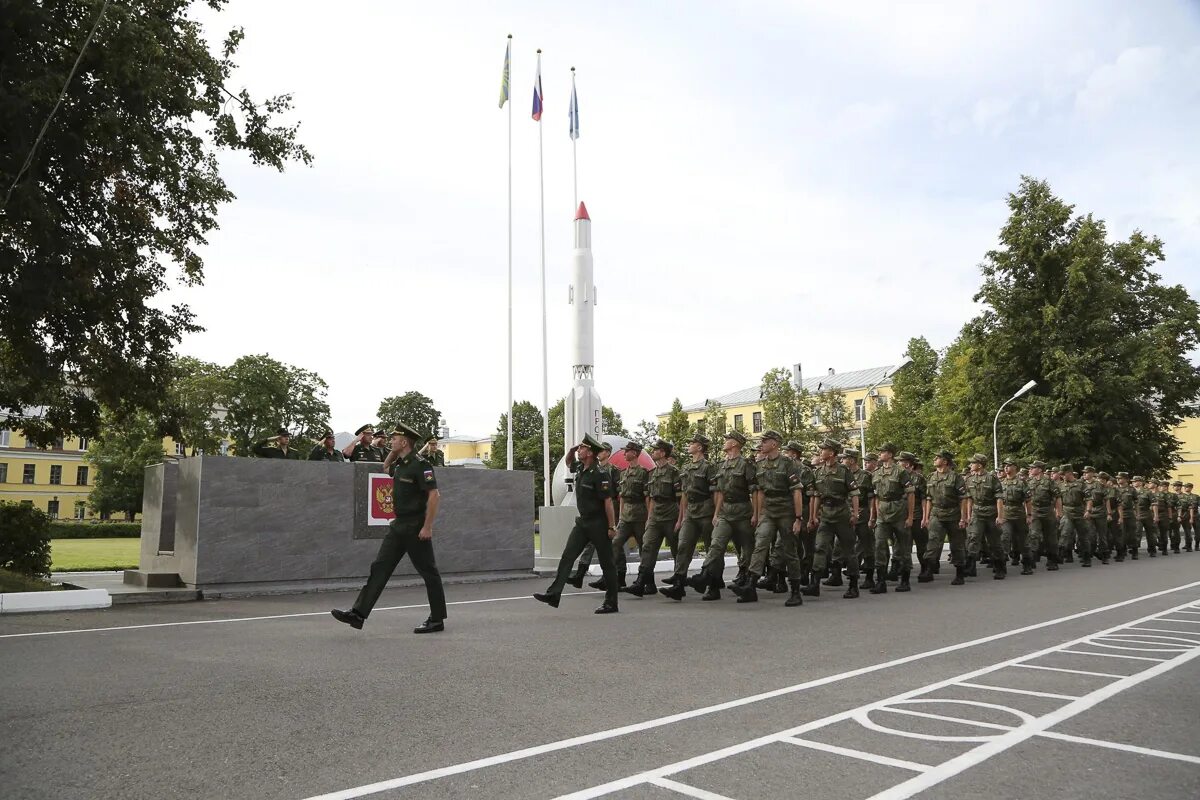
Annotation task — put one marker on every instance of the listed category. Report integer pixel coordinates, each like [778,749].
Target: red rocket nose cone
[582,213]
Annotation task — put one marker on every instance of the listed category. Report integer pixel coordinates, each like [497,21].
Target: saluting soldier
[1126,505]
[1017,514]
[985,506]
[632,516]
[733,518]
[698,478]
[833,511]
[945,517]
[324,450]
[596,524]
[432,452]
[893,507]
[663,488]
[415,500]
[1072,502]
[1043,524]
[361,448]
[611,473]
[282,439]
[777,505]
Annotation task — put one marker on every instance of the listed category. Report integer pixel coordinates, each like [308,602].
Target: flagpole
[510,281]
[574,163]
[545,349]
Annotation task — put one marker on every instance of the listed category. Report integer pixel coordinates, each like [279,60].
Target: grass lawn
[12,582]
[78,555]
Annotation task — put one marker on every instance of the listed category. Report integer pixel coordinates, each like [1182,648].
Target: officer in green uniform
[1043,525]
[415,500]
[945,516]
[631,488]
[1126,505]
[324,450]
[894,504]
[1015,493]
[362,449]
[777,505]
[985,506]
[432,453]
[1072,503]
[282,439]
[833,512]
[603,464]
[733,515]
[1098,513]
[864,534]
[698,479]
[596,524]
[662,491]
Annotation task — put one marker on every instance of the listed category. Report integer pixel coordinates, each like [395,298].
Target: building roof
[823,382]
[466,439]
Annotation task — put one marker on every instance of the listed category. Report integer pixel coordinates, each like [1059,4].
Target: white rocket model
[582,412]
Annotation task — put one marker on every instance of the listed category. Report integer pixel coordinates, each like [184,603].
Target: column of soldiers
[797,524]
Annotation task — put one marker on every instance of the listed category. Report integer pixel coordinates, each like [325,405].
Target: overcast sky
[805,182]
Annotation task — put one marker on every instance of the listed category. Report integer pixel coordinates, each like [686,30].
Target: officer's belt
[776,493]
[892,499]
[942,504]
[697,497]
[737,498]
[657,498]
[833,503]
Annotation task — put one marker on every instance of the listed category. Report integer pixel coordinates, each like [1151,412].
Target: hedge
[95,530]
[24,540]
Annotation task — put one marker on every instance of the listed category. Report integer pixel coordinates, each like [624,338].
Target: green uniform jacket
[1042,493]
[833,485]
[1145,504]
[319,453]
[633,493]
[699,483]
[1015,492]
[892,485]
[1127,500]
[263,451]
[736,480]
[663,487]
[412,481]
[984,490]
[1098,492]
[365,452]
[919,488]
[865,486]
[946,490]
[1074,498]
[592,487]
[778,478]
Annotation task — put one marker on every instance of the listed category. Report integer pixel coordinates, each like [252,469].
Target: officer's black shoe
[813,589]
[767,581]
[697,582]
[893,572]
[351,618]
[672,579]
[637,588]
[551,600]
[1000,571]
[675,592]
[1052,565]
[970,571]
[835,577]
[1085,561]
[880,586]
[794,599]
[1175,550]
[960,574]
[852,592]
[648,587]
[1104,559]
[599,583]
[1134,554]
[607,608]
[781,586]
[904,585]
[926,574]
[576,578]
[868,582]
[430,625]
[747,592]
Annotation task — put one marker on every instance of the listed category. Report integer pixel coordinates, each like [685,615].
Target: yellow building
[1187,468]
[744,409]
[466,451]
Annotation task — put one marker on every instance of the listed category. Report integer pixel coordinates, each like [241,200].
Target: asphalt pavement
[1056,685]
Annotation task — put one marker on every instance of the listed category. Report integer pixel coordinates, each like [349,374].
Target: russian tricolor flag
[537,90]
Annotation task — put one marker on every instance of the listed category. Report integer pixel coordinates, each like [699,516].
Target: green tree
[908,419]
[527,445]
[676,429]
[120,454]
[713,423]
[412,408]
[24,540]
[833,416]
[1092,323]
[124,184]
[195,405]
[646,434]
[265,394]
[950,426]
[787,409]
[613,424]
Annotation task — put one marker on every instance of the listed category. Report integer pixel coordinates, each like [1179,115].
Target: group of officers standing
[799,523]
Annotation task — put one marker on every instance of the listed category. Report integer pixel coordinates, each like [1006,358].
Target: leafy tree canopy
[411,408]
[265,394]
[120,455]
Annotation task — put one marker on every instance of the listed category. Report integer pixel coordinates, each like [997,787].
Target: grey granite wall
[246,520]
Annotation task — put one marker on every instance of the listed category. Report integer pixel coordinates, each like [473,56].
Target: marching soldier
[945,517]
[777,505]
[1043,523]
[1126,504]
[1072,502]
[733,516]
[1188,520]
[918,535]
[892,509]
[662,492]
[985,506]
[1176,504]
[1162,517]
[1017,514]
[1147,522]
[864,527]
[1099,512]
[833,511]
[632,515]
[695,523]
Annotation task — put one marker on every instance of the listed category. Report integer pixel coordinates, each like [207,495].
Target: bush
[95,530]
[24,540]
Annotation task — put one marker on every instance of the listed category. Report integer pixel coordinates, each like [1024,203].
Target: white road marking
[598,736]
[846,751]
[690,791]
[1195,634]
[1183,621]
[1072,671]
[1109,655]
[1129,748]
[941,718]
[1029,692]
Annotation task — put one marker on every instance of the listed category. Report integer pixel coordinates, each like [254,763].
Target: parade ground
[1051,686]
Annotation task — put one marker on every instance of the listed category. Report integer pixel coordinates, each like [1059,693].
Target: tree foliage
[126,446]
[124,184]
[195,405]
[787,409]
[908,419]
[412,408]
[676,429]
[713,423]
[646,434]
[527,445]
[265,394]
[24,540]
[834,417]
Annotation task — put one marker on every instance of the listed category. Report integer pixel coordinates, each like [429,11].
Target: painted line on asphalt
[874,758]
[1128,748]
[1029,692]
[227,620]
[1072,671]
[638,727]
[689,791]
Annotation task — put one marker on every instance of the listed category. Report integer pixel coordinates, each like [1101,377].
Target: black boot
[970,571]
[813,589]
[599,583]
[1051,564]
[904,586]
[960,574]
[1016,561]
[926,574]
[1134,554]
[835,576]
[1027,566]
[894,570]
[696,583]
[999,569]
[880,586]
[638,587]
[576,578]
[740,578]
[794,599]
[747,592]
[712,590]
[674,579]
[678,590]
[781,582]
[648,587]
[852,591]
[868,581]
[768,580]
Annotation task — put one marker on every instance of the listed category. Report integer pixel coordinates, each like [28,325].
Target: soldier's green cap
[830,444]
[903,455]
[1138,479]
[404,430]
[795,447]
[1011,460]
[889,447]
[1089,469]
[1187,486]
[871,457]
[590,443]
[737,436]
[774,435]
[848,453]
[362,428]
[700,438]
[606,446]
[944,453]
[1067,468]
[1104,475]
[664,445]
[1122,474]
[325,434]
[634,446]
[1039,464]
[979,458]
[1177,483]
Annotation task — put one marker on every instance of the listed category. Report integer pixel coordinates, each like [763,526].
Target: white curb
[66,600]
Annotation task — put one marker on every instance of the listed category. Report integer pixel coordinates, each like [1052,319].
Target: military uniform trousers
[630,529]
[1128,539]
[1186,526]
[1016,531]
[403,537]
[1164,532]
[983,533]
[1043,534]
[1099,534]
[1077,536]
[692,531]
[901,535]
[1176,532]
[918,538]
[656,531]
[1145,526]
[864,543]
[733,525]
[939,531]
[807,546]
[786,545]
[834,529]
[592,531]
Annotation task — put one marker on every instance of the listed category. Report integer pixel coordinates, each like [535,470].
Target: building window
[756,421]
[29,445]
[3,473]
[58,443]
[55,474]
[738,423]
[180,450]
[880,402]
[83,443]
[81,476]
[80,510]
[52,509]
[105,516]
[859,411]
[5,438]
[27,475]
[224,448]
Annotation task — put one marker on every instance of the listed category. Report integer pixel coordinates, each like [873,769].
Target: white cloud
[1124,79]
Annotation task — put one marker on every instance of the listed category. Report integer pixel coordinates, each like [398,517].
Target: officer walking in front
[415,500]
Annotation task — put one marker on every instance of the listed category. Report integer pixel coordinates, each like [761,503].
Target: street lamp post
[862,422]
[995,440]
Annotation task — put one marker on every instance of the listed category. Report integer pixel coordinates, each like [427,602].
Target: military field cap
[944,453]
[1122,474]
[1039,464]
[1089,469]
[700,438]
[1104,475]
[1066,468]
[362,428]
[590,443]
[606,446]
[871,457]
[888,447]
[1139,479]
[1187,486]
[634,446]
[795,447]
[664,445]
[1177,483]
[283,432]
[773,435]
[404,430]
[979,458]
[1010,460]
[903,455]
[737,436]
[830,444]
[850,454]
